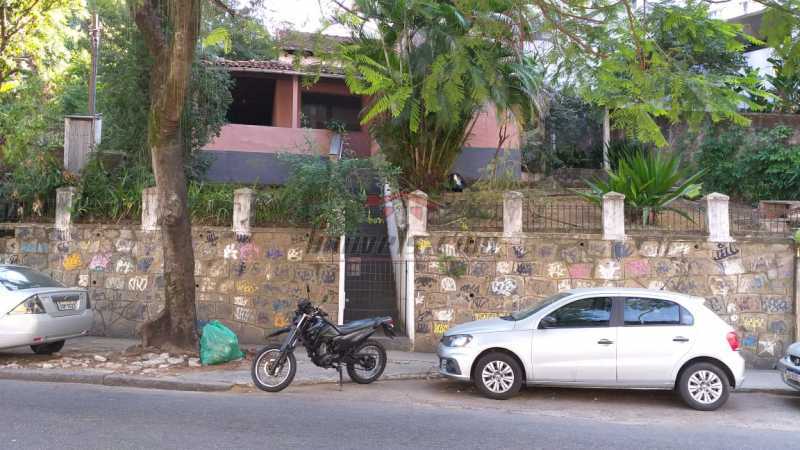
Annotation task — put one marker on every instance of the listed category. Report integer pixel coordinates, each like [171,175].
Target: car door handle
[605,342]
[680,339]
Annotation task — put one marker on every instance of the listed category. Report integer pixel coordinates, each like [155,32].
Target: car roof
[631,291]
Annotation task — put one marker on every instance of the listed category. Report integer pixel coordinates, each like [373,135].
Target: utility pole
[606,139]
[95,43]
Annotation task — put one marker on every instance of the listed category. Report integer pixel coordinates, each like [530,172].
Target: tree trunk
[170,29]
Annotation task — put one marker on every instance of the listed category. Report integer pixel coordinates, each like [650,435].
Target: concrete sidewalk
[21,364]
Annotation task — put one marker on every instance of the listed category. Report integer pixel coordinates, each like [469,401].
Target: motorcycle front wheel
[372,357]
[269,378]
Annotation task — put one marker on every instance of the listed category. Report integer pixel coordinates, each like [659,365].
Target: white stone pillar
[512,214]
[417,213]
[65,197]
[242,211]
[719,220]
[150,209]
[614,216]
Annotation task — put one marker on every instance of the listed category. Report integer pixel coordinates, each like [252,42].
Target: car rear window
[653,311]
[18,278]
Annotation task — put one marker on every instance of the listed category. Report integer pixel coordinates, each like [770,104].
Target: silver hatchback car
[601,338]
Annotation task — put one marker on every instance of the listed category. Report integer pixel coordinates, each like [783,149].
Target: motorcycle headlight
[456,340]
[31,305]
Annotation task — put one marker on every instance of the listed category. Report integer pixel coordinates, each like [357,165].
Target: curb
[107,378]
[777,391]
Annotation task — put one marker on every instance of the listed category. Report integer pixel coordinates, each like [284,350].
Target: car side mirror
[547,322]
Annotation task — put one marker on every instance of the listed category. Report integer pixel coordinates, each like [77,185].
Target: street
[389,414]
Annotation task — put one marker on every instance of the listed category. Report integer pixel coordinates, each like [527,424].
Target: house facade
[275,110]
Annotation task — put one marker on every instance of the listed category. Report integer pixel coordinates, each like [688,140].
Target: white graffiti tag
[137,284]
[231,252]
[124,266]
[448,284]
[504,287]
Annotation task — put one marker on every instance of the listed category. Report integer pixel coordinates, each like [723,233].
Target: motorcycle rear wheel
[260,372]
[366,375]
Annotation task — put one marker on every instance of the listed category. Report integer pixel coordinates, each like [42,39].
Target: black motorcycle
[328,346]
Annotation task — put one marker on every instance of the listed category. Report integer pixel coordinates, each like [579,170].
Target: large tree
[429,65]
[170,29]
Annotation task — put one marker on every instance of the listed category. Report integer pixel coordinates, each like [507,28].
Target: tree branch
[149,22]
[225,8]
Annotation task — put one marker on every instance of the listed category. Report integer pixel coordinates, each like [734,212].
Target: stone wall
[249,283]
[463,277]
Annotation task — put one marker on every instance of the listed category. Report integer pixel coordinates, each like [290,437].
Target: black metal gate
[370,286]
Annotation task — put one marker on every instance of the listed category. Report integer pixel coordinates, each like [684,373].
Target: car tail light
[31,305]
[733,340]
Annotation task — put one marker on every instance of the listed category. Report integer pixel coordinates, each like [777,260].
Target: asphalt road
[396,414]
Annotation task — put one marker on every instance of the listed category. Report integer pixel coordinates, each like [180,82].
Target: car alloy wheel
[498,377]
[705,387]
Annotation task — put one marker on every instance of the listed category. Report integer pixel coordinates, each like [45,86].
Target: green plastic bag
[218,344]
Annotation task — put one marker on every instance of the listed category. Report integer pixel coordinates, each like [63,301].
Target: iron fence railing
[558,217]
[465,213]
[33,211]
[680,218]
[745,219]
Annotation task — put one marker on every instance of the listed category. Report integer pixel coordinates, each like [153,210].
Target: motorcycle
[328,346]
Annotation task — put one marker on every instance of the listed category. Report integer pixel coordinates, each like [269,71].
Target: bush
[109,192]
[751,165]
[649,181]
[32,183]
[332,195]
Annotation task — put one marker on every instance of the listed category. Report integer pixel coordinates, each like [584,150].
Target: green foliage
[242,36]
[108,191]
[429,67]
[785,86]
[329,194]
[211,203]
[687,35]
[33,34]
[649,181]
[570,136]
[681,65]
[43,127]
[751,165]
[33,183]
[780,26]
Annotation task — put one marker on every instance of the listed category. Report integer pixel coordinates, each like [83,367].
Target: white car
[38,311]
[601,338]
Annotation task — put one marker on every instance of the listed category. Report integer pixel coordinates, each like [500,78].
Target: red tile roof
[275,66]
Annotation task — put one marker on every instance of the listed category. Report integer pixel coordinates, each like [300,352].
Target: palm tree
[429,69]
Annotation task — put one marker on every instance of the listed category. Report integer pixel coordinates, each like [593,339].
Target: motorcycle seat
[356,325]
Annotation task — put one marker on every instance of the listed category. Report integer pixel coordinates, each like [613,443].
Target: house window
[321,110]
[252,100]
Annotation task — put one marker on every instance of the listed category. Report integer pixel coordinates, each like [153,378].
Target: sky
[302,15]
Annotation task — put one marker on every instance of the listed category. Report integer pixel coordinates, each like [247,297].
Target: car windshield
[525,313]
[17,278]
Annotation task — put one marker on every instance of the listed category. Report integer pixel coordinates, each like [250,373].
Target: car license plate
[67,306]
[791,376]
